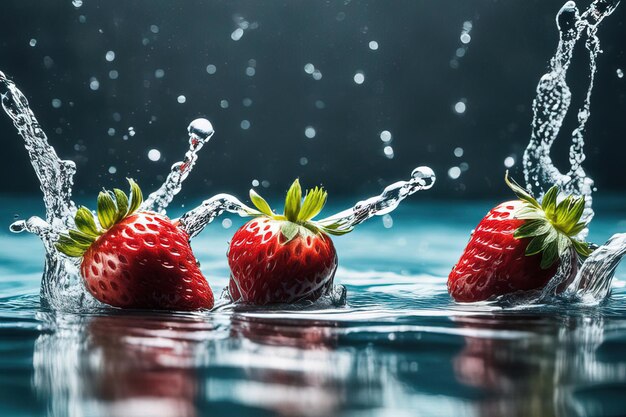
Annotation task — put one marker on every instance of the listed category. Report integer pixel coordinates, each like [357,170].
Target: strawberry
[283,258]
[519,246]
[135,259]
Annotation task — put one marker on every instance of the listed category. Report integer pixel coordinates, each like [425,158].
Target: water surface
[400,348]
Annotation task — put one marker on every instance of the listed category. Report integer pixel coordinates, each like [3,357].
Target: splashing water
[593,281]
[553,101]
[61,287]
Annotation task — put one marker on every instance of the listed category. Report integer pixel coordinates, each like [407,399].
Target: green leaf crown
[113,207]
[299,212]
[552,227]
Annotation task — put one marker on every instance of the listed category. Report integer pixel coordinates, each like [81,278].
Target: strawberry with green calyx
[519,246]
[283,258]
[135,259]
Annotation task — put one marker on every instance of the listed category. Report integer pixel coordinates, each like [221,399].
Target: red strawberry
[138,259]
[519,246]
[283,258]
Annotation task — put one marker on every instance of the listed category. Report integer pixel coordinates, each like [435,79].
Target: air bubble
[211,69]
[154,155]
[309,132]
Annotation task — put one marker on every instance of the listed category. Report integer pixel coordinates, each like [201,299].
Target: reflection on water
[400,347]
[516,365]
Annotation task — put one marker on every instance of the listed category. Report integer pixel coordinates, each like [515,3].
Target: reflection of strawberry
[519,246]
[283,258]
[138,259]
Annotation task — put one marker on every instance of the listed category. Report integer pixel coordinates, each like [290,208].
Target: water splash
[422,178]
[61,287]
[553,101]
[200,131]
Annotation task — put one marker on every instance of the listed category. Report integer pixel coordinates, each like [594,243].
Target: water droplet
[317,75]
[224,104]
[211,69]
[181,99]
[309,132]
[159,73]
[154,155]
[116,117]
[466,38]
[454,172]
[255,183]
[309,68]
[94,84]
[387,221]
[201,128]
[227,223]
[509,161]
[388,150]
[265,183]
[319,104]
[250,71]
[460,107]
[304,160]
[111,131]
[385,136]
[154,29]
[33,42]
[48,62]
[458,152]
[237,34]
[112,170]
[56,103]
[110,56]
[245,124]
[359,78]
[77,3]
[247,102]
[131,131]
[373,45]
[113,74]
[620,73]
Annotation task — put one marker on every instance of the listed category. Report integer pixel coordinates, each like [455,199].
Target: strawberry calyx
[298,214]
[553,226]
[113,207]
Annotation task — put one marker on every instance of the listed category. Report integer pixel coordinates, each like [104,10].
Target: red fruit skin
[265,270]
[145,262]
[494,262]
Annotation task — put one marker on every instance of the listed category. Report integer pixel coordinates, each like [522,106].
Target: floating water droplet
[113,74]
[247,102]
[250,71]
[373,45]
[48,62]
[211,69]
[359,78]
[255,183]
[466,38]
[131,131]
[94,84]
[385,136]
[245,124]
[458,152]
[317,75]
[154,29]
[454,172]
[154,155]
[33,42]
[387,221]
[265,183]
[509,161]
[159,73]
[620,73]
[319,104]
[109,56]
[116,117]
[237,34]
[304,160]
[464,166]
[460,107]
[227,223]
[112,170]
[309,68]
[224,104]
[181,99]
[56,103]
[388,151]
[77,3]
[111,131]
[309,132]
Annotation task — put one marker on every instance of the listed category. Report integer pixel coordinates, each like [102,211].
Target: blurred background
[349,94]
